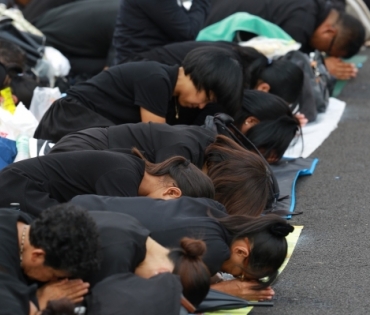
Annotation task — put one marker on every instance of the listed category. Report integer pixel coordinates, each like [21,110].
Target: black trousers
[67,115]
[89,139]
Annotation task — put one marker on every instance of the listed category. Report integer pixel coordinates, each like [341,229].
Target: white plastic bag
[22,122]
[58,61]
[271,47]
[42,99]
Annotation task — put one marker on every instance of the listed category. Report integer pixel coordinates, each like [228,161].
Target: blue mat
[287,172]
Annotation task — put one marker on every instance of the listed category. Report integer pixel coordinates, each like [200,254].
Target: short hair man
[316,24]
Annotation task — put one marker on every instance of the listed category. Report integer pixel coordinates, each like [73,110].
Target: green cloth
[340,84]
[241,21]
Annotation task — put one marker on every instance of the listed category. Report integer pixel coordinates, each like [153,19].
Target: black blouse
[170,220]
[123,243]
[41,182]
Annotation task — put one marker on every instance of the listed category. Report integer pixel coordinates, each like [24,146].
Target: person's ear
[38,256]
[242,251]
[241,248]
[263,87]
[172,193]
[251,121]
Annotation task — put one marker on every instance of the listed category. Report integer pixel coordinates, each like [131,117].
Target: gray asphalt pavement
[329,272]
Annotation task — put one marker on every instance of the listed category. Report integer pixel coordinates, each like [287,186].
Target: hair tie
[281,229]
[186,163]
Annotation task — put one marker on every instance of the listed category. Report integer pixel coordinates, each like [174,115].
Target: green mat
[339,86]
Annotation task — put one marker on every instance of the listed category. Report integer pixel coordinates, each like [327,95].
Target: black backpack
[317,83]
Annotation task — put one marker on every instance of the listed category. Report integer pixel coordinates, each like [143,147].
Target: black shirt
[161,141]
[76,28]
[15,294]
[130,294]
[119,92]
[157,142]
[174,54]
[170,220]
[298,18]
[123,244]
[41,182]
[9,248]
[145,24]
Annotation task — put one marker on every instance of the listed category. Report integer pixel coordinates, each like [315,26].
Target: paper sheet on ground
[316,132]
[292,240]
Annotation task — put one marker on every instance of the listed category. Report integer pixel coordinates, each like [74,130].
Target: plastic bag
[42,99]
[271,47]
[22,122]
[8,152]
[58,61]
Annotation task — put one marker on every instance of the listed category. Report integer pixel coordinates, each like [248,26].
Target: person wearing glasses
[316,24]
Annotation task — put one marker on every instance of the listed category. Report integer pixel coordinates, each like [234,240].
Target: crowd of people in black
[159,181]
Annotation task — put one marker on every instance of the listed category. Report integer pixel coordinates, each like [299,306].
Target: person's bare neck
[156,260]
[181,81]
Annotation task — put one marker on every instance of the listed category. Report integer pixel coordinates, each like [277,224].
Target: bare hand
[244,290]
[340,69]
[74,290]
[302,119]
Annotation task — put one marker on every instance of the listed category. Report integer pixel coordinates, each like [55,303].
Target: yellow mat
[292,240]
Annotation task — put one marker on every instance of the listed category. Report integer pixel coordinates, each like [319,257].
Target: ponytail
[189,179]
[194,274]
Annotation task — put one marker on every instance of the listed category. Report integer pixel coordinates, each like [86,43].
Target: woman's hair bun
[281,229]
[193,248]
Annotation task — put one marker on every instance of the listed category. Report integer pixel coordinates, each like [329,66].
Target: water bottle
[22,144]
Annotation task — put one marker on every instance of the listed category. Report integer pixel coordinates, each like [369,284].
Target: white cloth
[316,132]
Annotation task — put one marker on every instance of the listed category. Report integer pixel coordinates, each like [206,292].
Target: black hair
[351,35]
[190,179]
[217,70]
[22,87]
[240,177]
[194,274]
[59,307]
[283,76]
[69,237]
[12,56]
[269,247]
[277,125]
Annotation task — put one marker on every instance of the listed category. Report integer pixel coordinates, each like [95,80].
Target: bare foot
[74,290]
[244,290]
[340,69]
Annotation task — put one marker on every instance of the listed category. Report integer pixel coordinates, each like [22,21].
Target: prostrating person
[148,91]
[246,247]
[41,182]
[37,252]
[127,247]
[316,24]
